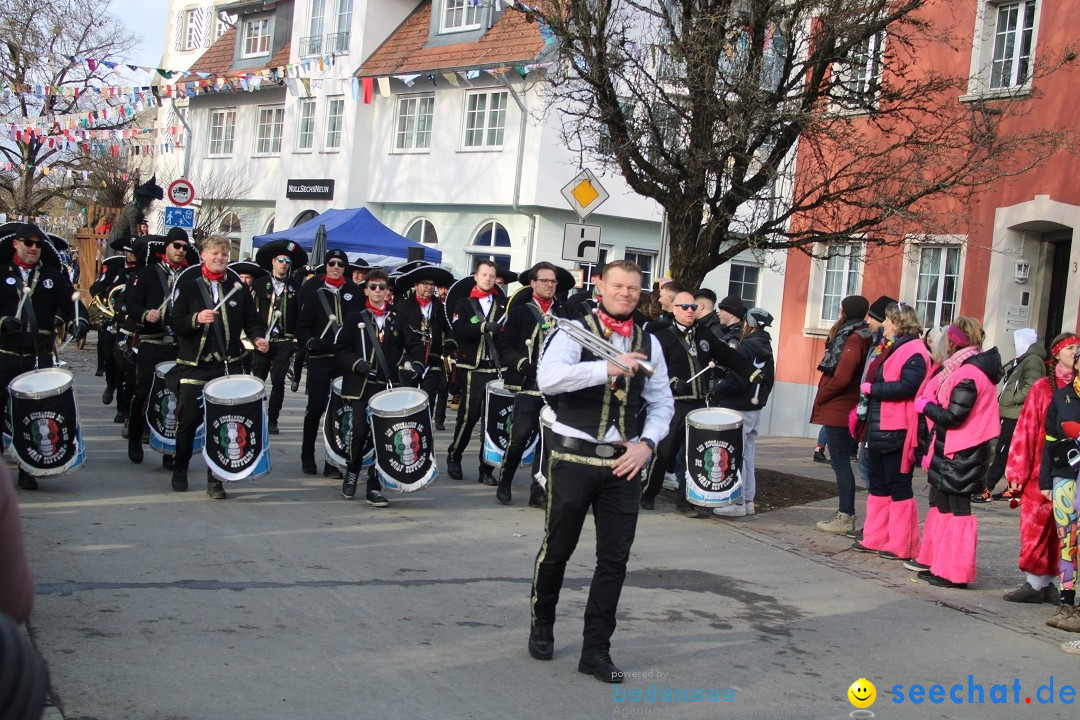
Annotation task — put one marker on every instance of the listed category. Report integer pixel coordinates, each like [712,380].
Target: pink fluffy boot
[932,526]
[955,559]
[875,533]
[903,539]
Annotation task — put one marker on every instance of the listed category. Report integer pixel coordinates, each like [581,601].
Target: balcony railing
[338,43]
[332,44]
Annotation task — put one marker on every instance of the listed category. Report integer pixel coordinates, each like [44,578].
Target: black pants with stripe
[473,384]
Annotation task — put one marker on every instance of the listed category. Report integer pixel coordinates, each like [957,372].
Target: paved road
[287,601]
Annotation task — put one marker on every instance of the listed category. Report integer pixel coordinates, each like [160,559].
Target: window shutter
[178,32]
[199,36]
[211,27]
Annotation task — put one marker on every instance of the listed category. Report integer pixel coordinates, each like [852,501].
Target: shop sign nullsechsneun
[309,189]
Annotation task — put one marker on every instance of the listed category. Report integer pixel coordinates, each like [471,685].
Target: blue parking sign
[180,217]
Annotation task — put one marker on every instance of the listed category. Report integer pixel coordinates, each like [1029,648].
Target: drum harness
[219,330]
[380,358]
[28,306]
[489,341]
[326,309]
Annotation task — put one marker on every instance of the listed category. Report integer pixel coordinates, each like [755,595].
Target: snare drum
[404,442]
[161,415]
[337,429]
[237,445]
[46,435]
[714,450]
[498,424]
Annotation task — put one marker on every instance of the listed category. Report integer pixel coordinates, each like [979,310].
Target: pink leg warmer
[955,558]
[931,532]
[903,528]
[876,526]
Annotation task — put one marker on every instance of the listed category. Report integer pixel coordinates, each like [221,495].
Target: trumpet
[598,346]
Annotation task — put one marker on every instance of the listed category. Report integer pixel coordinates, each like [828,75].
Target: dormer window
[460,15]
[256,37]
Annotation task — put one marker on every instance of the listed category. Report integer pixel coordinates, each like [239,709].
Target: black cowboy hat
[350,267]
[150,188]
[461,289]
[505,276]
[410,266]
[155,245]
[246,267]
[58,242]
[266,254]
[565,281]
[124,244]
[9,231]
[418,273]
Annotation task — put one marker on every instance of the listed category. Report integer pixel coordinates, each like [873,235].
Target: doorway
[1060,248]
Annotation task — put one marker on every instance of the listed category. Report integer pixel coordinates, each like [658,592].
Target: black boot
[214,488]
[308,466]
[453,469]
[27,481]
[541,642]
[107,396]
[179,479]
[271,426]
[330,471]
[167,462]
[503,494]
[135,452]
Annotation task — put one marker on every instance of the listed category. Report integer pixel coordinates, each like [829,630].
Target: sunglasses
[335,263]
[33,243]
[687,306]
[283,259]
[179,246]
[374,286]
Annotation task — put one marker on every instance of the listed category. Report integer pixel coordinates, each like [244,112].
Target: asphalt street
[288,601]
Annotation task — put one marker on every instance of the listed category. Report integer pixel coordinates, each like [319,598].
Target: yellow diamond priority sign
[585,193]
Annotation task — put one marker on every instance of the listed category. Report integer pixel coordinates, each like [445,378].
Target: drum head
[234,389]
[547,416]
[163,368]
[399,401]
[335,385]
[497,387]
[41,383]
[717,418]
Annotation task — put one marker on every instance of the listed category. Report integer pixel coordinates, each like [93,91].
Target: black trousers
[949,503]
[147,360]
[360,441]
[275,364]
[106,354]
[123,373]
[885,478]
[320,374]
[12,366]
[1001,455]
[573,489]
[667,450]
[189,408]
[524,428]
[473,385]
[434,384]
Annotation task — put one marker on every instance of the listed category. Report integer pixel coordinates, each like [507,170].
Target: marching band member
[424,321]
[325,301]
[371,352]
[208,314]
[115,273]
[602,442]
[528,325]
[276,300]
[474,323]
[147,306]
[34,291]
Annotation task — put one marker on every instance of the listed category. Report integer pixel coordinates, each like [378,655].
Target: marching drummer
[325,301]
[115,273]
[475,319]
[210,306]
[424,319]
[602,440]
[528,324]
[276,300]
[147,305]
[371,353]
[34,291]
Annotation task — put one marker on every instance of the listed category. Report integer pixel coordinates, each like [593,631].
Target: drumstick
[704,370]
[75,297]
[236,286]
[329,322]
[270,330]
[22,301]
[164,304]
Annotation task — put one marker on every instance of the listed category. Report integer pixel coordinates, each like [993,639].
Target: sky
[147,20]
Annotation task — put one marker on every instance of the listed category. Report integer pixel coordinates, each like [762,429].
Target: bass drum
[237,441]
[46,436]
[498,425]
[161,414]
[714,451]
[403,438]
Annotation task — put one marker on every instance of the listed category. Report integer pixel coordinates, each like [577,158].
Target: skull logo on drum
[234,439]
[407,445]
[45,433]
[717,461]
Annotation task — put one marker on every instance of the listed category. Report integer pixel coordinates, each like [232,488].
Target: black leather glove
[408,376]
[680,387]
[361,367]
[10,325]
[79,329]
[315,346]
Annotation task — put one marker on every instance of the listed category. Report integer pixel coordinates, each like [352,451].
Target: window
[339,43]
[938,281]
[743,283]
[268,130]
[305,124]
[222,24]
[460,15]
[1012,44]
[485,119]
[222,131]
[192,29]
[256,37]
[646,261]
[230,224]
[492,234]
[422,231]
[304,217]
[502,262]
[414,122]
[843,270]
[335,116]
[601,261]
[859,78]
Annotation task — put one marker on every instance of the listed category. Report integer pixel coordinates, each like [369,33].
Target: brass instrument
[107,307]
[598,346]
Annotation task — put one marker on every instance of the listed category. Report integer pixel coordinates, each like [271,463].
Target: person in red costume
[1039,548]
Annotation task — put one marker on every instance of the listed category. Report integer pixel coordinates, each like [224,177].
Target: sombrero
[461,289]
[9,231]
[565,281]
[246,267]
[266,254]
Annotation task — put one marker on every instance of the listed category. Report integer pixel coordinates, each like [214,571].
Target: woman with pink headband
[961,404]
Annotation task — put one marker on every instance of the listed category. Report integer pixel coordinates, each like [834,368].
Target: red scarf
[335,283]
[423,302]
[478,293]
[376,311]
[176,266]
[212,276]
[19,261]
[545,305]
[622,327]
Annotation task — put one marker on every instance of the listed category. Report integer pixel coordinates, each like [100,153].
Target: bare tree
[220,190]
[704,105]
[42,39]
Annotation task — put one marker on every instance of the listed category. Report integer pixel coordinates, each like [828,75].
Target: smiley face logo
[862,693]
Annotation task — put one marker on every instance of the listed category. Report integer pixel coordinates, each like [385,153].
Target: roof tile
[218,60]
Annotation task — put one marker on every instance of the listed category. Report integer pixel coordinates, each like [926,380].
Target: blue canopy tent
[358,233]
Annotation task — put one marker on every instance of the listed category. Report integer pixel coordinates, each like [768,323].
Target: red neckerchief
[335,283]
[423,302]
[377,312]
[176,266]
[19,261]
[478,293]
[545,305]
[212,276]
[622,327]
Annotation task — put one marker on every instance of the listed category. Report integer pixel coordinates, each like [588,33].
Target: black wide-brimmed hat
[266,254]
[151,189]
[505,276]
[124,244]
[565,280]
[9,231]
[150,247]
[419,273]
[461,289]
[246,267]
